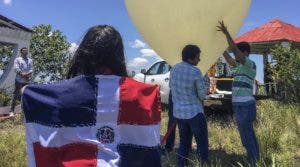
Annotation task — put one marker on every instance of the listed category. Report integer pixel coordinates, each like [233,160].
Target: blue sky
[74,17]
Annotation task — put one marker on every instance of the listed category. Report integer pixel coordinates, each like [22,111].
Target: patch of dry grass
[277,128]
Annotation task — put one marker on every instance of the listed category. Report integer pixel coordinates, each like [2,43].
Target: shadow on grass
[218,158]
[222,117]
[222,158]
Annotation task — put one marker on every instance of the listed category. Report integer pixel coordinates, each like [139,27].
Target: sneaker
[11,114]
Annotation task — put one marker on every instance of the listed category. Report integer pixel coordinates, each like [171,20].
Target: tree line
[49,49]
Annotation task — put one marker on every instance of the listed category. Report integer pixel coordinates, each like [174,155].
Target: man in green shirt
[243,101]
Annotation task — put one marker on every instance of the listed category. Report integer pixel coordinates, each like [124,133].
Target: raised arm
[239,56]
[229,59]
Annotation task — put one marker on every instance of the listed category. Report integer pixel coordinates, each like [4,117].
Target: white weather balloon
[168,25]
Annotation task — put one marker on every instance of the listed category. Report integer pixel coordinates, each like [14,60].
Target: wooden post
[265,60]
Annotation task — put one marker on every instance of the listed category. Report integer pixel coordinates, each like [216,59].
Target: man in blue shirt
[188,92]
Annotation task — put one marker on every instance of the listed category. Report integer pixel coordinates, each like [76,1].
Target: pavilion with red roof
[263,38]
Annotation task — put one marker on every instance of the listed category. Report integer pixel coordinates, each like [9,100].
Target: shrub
[286,72]
[4,98]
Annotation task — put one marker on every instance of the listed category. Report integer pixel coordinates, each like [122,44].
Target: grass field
[277,128]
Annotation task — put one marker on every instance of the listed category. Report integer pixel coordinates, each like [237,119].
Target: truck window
[165,68]
[154,69]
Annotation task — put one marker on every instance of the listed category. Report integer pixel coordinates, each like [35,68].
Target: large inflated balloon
[169,25]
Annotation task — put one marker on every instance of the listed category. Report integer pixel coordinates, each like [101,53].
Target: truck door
[159,74]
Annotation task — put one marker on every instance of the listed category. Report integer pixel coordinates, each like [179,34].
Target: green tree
[49,50]
[286,72]
[6,52]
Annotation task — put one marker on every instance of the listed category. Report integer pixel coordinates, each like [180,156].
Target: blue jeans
[245,115]
[196,126]
[171,139]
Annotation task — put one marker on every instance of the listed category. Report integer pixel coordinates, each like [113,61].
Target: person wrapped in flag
[98,117]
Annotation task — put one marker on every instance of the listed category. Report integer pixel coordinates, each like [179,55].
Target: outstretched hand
[239,56]
[221,27]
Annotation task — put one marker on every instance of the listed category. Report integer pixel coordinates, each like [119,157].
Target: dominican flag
[92,121]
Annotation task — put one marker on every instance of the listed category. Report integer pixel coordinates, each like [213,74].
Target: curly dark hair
[244,47]
[101,48]
[190,52]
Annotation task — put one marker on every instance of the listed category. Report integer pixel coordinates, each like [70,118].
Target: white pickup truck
[219,87]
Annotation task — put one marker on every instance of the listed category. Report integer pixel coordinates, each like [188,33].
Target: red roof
[275,30]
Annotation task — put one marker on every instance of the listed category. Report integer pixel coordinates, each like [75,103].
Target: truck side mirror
[143,71]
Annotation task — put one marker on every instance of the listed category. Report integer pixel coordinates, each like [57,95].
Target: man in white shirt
[24,68]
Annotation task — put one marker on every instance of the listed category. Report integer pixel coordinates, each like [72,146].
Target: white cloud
[137,44]
[148,53]
[145,57]
[138,62]
[7,2]
[73,48]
